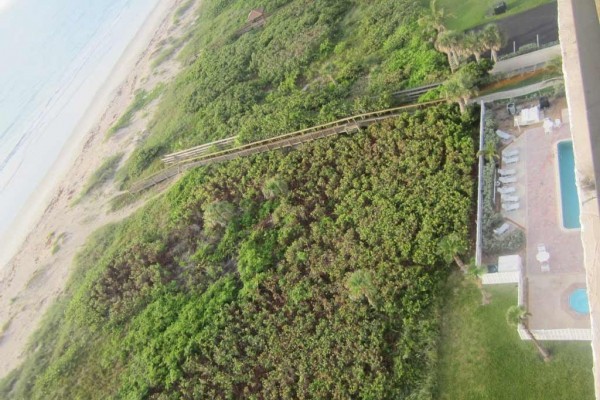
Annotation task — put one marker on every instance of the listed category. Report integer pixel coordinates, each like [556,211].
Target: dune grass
[465,14]
[142,99]
[103,174]
[180,12]
[481,357]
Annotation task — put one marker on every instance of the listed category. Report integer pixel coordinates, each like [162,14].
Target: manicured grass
[465,14]
[481,357]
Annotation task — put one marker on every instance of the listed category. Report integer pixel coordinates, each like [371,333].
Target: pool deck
[540,215]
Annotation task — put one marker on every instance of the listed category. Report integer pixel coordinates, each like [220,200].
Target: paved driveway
[522,28]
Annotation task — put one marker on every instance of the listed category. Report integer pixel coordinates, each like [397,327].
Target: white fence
[479,234]
[500,278]
[568,334]
[558,334]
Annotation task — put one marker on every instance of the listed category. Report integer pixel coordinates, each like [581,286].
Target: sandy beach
[36,275]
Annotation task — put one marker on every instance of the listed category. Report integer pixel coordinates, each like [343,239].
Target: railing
[479,223]
[196,151]
[528,48]
[345,125]
[412,95]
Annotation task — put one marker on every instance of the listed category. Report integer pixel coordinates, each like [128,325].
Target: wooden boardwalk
[409,96]
[197,151]
[197,156]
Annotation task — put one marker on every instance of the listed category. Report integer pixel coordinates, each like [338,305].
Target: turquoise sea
[54,57]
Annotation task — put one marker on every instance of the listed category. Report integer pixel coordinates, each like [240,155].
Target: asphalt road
[522,28]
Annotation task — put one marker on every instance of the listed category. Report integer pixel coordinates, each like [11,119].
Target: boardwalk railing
[412,95]
[197,150]
[345,125]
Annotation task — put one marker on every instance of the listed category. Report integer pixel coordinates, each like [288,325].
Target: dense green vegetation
[311,273]
[464,14]
[314,273]
[313,62]
[482,357]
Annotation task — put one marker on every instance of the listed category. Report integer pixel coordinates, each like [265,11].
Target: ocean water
[54,57]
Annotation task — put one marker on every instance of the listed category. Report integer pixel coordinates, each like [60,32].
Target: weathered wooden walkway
[409,96]
[197,156]
[197,151]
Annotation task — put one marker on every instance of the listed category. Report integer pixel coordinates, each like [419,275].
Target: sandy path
[35,277]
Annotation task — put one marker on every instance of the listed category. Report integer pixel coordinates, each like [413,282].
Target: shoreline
[37,203]
[36,273]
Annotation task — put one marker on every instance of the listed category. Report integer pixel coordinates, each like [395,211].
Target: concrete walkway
[526,61]
[522,91]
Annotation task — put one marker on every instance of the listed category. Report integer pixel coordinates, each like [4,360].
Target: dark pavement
[522,28]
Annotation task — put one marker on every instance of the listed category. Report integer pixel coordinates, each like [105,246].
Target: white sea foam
[56,56]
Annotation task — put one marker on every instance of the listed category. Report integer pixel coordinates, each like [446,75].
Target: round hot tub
[578,301]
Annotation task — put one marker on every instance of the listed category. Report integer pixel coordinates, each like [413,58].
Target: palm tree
[492,39]
[473,44]
[460,88]
[450,42]
[274,187]
[517,315]
[449,249]
[489,152]
[218,213]
[360,284]
[475,271]
[435,18]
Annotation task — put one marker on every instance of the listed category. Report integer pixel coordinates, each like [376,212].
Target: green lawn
[481,357]
[465,14]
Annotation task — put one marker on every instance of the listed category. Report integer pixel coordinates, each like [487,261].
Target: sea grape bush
[313,62]
[328,289]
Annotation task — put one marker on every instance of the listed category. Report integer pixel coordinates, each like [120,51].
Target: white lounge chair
[510,206]
[504,136]
[546,267]
[506,189]
[510,153]
[501,229]
[510,171]
[543,257]
[510,160]
[509,198]
[541,248]
[507,179]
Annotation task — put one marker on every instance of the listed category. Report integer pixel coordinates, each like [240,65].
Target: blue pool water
[578,301]
[568,190]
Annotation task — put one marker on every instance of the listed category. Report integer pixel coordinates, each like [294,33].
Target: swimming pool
[578,301]
[568,189]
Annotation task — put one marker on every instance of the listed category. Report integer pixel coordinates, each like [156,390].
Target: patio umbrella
[543,256]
